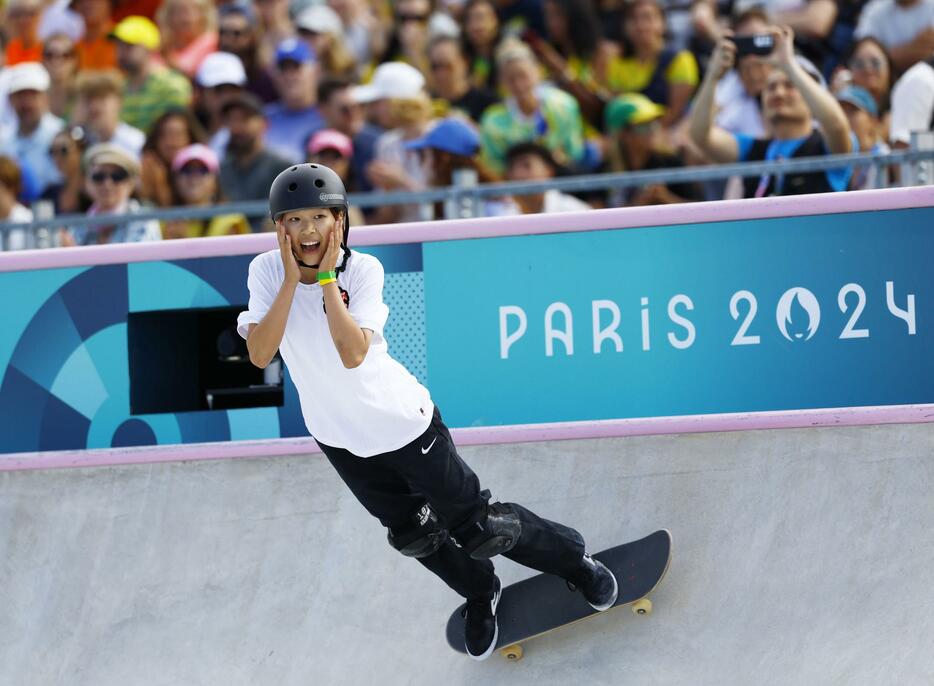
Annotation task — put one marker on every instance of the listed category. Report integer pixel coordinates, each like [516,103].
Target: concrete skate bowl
[801,556]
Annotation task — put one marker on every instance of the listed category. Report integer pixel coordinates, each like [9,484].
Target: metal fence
[462,200]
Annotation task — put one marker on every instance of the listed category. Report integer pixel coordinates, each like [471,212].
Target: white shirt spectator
[737,111]
[893,25]
[33,150]
[912,103]
[390,147]
[16,239]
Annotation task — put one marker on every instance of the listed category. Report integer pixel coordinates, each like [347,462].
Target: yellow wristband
[326,281]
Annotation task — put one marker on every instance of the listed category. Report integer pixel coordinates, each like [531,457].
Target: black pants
[394,486]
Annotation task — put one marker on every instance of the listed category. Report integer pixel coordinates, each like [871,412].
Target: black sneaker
[480,627]
[597,584]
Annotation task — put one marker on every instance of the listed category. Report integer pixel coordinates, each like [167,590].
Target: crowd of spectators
[110,106]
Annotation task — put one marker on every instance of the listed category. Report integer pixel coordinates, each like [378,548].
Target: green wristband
[327,275]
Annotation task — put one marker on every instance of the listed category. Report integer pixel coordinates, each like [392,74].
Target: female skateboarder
[321,305]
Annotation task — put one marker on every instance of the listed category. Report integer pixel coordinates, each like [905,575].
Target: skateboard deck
[543,603]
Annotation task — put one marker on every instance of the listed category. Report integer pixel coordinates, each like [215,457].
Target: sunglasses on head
[117,176]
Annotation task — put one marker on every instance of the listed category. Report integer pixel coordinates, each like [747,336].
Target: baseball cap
[136,30]
[859,97]
[27,76]
[319,19]
[330,139]
[452,135]
[111,153]
[630,109]
[220,68]
[245,101]
[199,153]
[391,80]
[295,50]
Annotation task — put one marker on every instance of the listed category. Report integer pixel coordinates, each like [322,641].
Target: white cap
[320,19]
[391,80]
[221,68]
[27,76]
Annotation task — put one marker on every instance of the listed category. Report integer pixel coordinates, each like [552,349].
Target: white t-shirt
[912,103]
[738,112]
[375,408]
[893,25]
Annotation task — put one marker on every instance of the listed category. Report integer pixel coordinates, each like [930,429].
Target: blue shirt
[838,178]
[289,130]
[32,154]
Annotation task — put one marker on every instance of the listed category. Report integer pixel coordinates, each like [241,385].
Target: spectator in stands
[575,54]
[408,41]
[111,175]
[275,26]
[863,114]
[295,116]
[869,66]
[530,162]
[95,49]
[28,143]
[912,104]
[342,112]
[23,29]
[321,28]
[195,179]
[10,208]
[904,27]
[400,90]
[248,168]
[100,97]
[237,34]
[170,133]
[61,61]
[739,92]
[68,196]
[532,111]
[481,37]
[635,141]
[150,88]
[189,33]
[450,80]
[335,150]
[793,99]
[220,78]
[364,35]
[662,73]
[450,147]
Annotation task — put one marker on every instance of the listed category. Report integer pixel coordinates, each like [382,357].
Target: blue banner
[772,314]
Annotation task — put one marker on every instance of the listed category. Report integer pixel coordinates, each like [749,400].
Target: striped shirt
[163,90]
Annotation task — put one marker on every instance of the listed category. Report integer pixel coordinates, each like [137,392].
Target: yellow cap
[137,31]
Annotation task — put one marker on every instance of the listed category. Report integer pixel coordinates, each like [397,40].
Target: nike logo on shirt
[425,450]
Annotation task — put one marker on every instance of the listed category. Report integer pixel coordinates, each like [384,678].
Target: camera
[758,44]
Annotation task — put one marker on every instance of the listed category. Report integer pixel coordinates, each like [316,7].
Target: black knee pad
[421,536]
[491,534]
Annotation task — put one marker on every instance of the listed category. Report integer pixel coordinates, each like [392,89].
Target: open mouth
[309,246]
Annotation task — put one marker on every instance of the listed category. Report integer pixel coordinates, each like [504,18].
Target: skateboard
[543,603]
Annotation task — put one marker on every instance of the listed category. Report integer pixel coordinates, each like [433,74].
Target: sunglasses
[194,170]
[404,18]
[52,55]
[117,176]
[236,33]
[874,63]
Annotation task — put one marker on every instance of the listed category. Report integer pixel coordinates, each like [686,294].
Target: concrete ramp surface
[801,556]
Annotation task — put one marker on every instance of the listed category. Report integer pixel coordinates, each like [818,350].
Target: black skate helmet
[309,185]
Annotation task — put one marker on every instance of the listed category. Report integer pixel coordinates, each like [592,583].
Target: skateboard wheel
[512,653]
[642,607]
